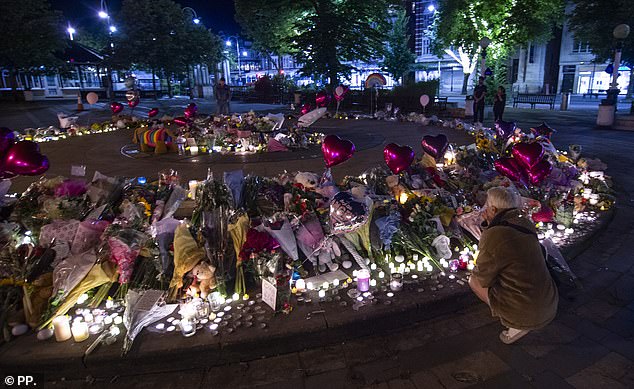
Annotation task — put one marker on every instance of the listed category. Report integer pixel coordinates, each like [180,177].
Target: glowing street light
[228,43]
[431,8]
[244,54]
[70,31]
[103,14]
[196,21]
[113,29]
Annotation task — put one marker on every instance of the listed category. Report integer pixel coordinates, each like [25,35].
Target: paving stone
[622,323]
[381,370]
[411,338]
[539,343]
[426,380]
[509,379]
[586,327]
[323,359]
[401,383]
[380,385]
[364,350]
[518,359]
[549,380]
[605,373]
[597,310]
[622,346]
[623,290]
[336,379]
[575,356]
[481,366]
[193,378]
[475,318]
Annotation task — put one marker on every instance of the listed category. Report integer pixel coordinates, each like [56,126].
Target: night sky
[215,14]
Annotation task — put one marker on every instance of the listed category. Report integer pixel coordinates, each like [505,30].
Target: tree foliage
[508,23]
[268,23]
[31,35]
[398,58]
[593,21]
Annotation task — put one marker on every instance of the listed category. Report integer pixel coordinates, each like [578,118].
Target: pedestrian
[499,103]
[479,94]
[511,275]
[223,96]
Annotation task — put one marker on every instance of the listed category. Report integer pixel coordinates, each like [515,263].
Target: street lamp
[484,43]
[431,8]
[112,29]
[103,14]
[620,33]
[194,15]
[70,31]
[228,43]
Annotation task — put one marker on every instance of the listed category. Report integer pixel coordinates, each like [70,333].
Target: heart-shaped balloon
[133,103]
[398,158]
[336,150]
[180,121]
[7,139]
[509,167]
[116,107]
[341,92]
[544,215]
[153,112]
[540,171]
[543,130]
[322,99]
[305,109]
[505,129]
[347,213]
[190,110]
[435,145]
[528,154]
[24,158]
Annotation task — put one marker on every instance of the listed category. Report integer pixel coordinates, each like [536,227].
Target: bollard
[565,100]
[80,104]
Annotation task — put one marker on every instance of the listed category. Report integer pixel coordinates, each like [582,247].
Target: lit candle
[399,258]
[373,283]
[193,186]
[80,331]
[118,320]
[187,327]
[309,285]
[322,293]
[335,282]
[193,150]
[325,285]
[61,326]
[363,280]
[373,266]
[453,265]
[381,274]
[107,321]
[415,257]
[235,297]
[396,283]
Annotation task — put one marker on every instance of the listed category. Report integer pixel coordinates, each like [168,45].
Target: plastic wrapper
[164,235]
[174,202]
[87,236]
[388,225]
[59,230]
[235,182]
[142,309]
[187,254]
[124,249]
[283,234]
[71,271]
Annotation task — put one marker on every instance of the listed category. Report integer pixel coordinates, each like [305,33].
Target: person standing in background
[499,103]
[479,94]
[223,96]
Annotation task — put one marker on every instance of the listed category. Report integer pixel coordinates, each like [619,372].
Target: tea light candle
[187,327]
[363,280]
[322,293]
[325,285]
[373,266]
[396,283]
[335,282]
[399,258]
[235,297]
[118,320]
[309,285]
[193,186]
[381,274]
[372,283]
[61,326]
[80,331]
[453,265]
[193,150]
[109,303]
[300,284]
[107,321]
[415,257]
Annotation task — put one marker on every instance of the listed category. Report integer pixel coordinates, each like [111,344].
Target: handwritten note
[269,293]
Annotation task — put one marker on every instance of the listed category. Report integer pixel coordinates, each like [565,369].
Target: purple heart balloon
[528,154]
[7,139]
[24,158]
[540,171]
[153,112]
[116,107]
[510,168]
[435,145]
[505,129]
[180,121]
[322,99]
[336,150]
[398,158]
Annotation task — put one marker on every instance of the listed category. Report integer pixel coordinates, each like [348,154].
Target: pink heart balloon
[153,112]
[133,103]
[505,129]
[336,150]
[116,107]
[398,158]
[24,158]
[540,171]
[305,109]
[322,99]
[509,167]
[180,121]
[528,154]
[435,145]
[544,215]
[543,130]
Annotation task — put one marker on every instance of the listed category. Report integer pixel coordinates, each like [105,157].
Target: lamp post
[484,43]
[620,33]
[229,43]
[71,32]
[192,78]
[104,15]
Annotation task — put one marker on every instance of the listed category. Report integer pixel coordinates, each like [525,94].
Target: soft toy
[307,179]
[204,279]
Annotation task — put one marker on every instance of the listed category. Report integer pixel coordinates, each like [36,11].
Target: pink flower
[70,188]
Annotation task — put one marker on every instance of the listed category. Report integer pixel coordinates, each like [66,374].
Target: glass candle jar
[396,282]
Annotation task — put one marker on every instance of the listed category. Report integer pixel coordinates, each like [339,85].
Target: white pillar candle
[325,285]
[118,320]
[309,285]
[373,283]
[335,282]
[193,186]
[381,274]
[373,266]
[322,293]
[193,150]
[61,326]
[235,297]
[80,331]
[300,284]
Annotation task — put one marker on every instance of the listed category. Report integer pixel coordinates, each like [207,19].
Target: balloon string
[360,261]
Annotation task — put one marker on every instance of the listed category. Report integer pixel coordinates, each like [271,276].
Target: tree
[461,24]
[269,24]
[332,33]
[398,58]
[593,21]
[31,35]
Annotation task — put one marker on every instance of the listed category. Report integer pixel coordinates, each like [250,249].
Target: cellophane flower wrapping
[125,247]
